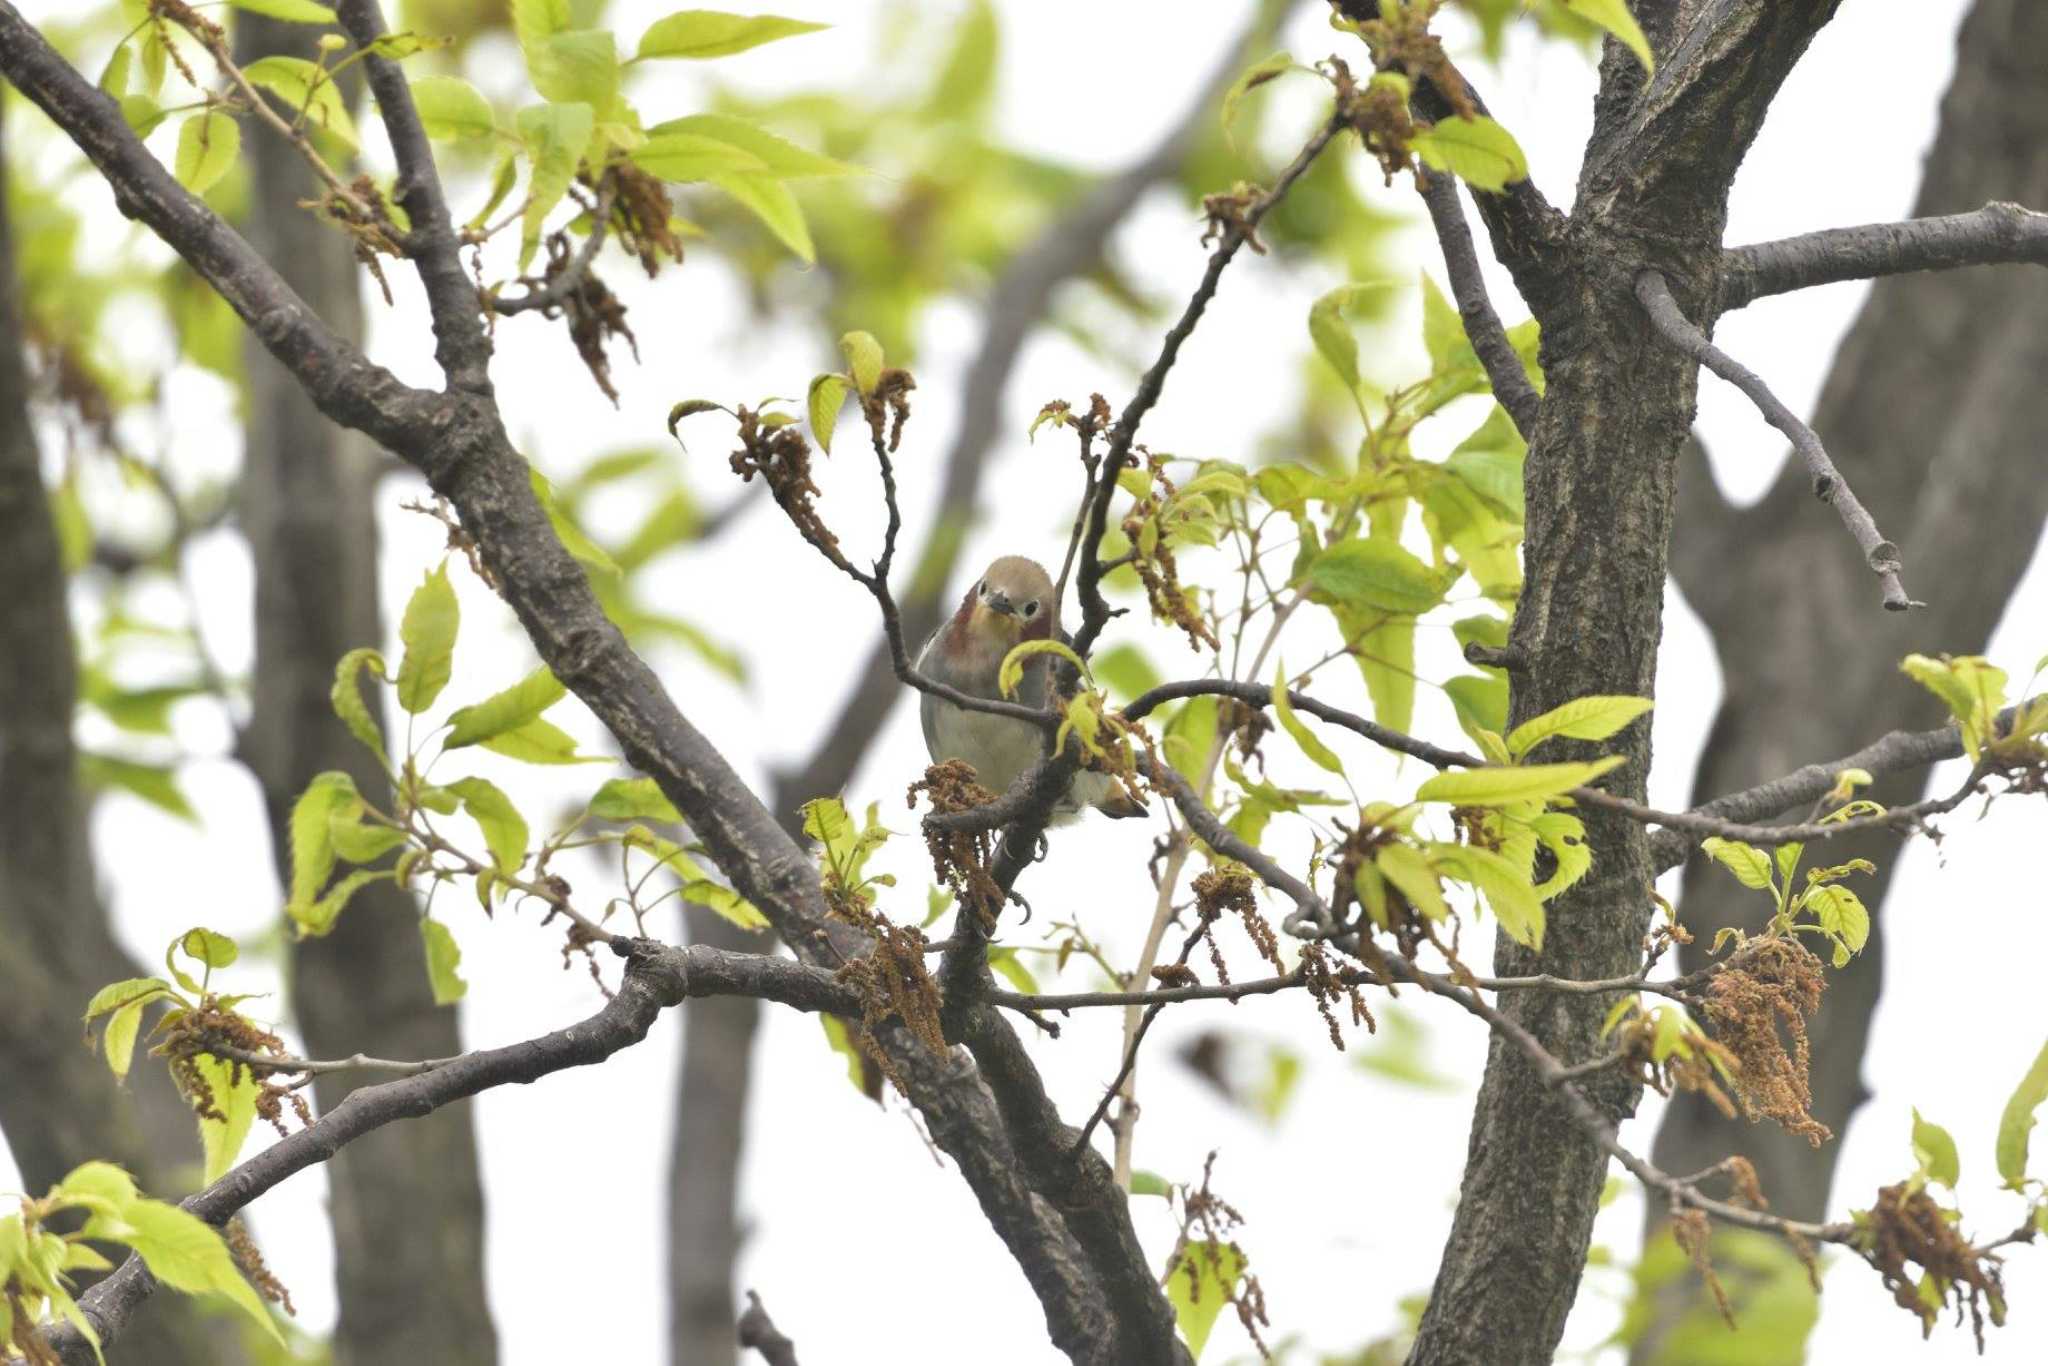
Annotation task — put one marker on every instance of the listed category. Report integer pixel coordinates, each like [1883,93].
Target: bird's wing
[927,705]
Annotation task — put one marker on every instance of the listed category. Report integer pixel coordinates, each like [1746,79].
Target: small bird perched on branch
[1011,603]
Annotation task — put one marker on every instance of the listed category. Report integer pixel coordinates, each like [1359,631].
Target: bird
[1012,601]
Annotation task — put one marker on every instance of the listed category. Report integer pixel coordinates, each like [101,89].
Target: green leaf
[1586,718]
[291,11]
[1011,674]
[766,150]
[206,946]
[428,632]
[696,885]
[1150,1183]
[697,34]
[1481,701]
[114,79]
[683,158]
[306,90]
[186,1253]
[504,829]
[769,200]
[1564,835]
[312,839]
[444,957]
[359,841]
[2017,1122]
[826,395]
[451,109]
[208,144]
[1125,671]
[1199,1280]
[580,66]
[1384,648]
[120,1037]
[535,21]
[966,82]
[1315,749]
[317,918]
[100,1186]
[232,1090]
[863,359]
[1841,913]
[1329,328]
[156,784]
[1751,866]
[347,697]
[1376,573]
[633,799]
[1255,76]
[540,742]
[1477,150]
[1514,902]
[1443,332]
[554,136]
[505,711]
[580,547]
[1614,16]
[1003,960]
[1411,874]
[1935,1150]
[1506,786]
[119,994]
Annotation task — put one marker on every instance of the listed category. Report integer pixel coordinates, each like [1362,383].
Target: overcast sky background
[864,1248]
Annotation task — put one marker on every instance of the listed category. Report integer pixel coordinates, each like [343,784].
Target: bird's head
[1012,601]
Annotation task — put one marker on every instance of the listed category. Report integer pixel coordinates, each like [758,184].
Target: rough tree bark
[1935,403]
[59,1105]
[307,508]
[1599,480]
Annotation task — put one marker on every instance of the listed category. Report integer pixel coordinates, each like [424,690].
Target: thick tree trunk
[59,1105]
[1935,409]
[407,1201]
[1599,482]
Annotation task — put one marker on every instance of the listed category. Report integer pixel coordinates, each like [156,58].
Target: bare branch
[1996,234]
[1697,825]
[758,1331]
[1482,325]
[1260,695]
[462,346]
[1828,484]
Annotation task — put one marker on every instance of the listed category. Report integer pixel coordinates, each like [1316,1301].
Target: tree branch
[1997,234]
[1828,484]
[758,1331]
[553,293]
[1482,325]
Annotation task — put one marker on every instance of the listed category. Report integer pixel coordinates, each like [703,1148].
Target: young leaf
[1586,718]
[428,631]
[554,136]
[206,946]
[585,551]
[1505,786]
[577,67]
[2017,1122]
[540,742]
[452,109]
[697,34]
[347,697]
[778,156]
[863,359]
[1477,150]
[1315,749]
[1377,573]
[1841,913]
[1614,16]
[444,958]
[683,158]
[504,829]
[633,799]
[1255,76]
[186,1253]
[156,784]
[1411,874]
[124,993]
[120,1037]
[1935,1150]
[310,921]
[827,393]
[769,200]
[208,144]
[1751,866]
[232,1092]
[312,841]
[1513,900]
[305,88]
[504,711]
[1199,1279]
[1011,674]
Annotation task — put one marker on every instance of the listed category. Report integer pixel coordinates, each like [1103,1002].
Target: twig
[1482,325]
[553,293]
[276,1062]
[1828,484]
[1354,977]
[1131,1045]
[758,1331]
[1700,824]
[1095,612]
[1261,695]
[1993,235]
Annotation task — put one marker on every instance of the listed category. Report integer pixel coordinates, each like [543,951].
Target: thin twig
[554,292]
[758,1331]
[1828,484]
[1482,325]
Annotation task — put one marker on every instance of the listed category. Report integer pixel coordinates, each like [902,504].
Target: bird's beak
[999,601]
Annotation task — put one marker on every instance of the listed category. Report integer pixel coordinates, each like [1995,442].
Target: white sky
[849,1212]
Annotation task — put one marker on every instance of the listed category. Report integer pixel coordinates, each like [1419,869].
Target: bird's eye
[1031,608]
[981,589]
